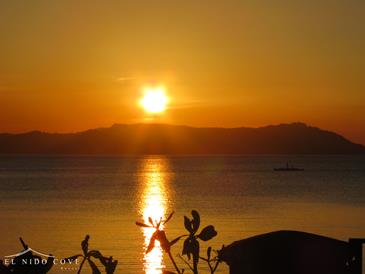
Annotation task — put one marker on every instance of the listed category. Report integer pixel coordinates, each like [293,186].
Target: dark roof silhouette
[290,252]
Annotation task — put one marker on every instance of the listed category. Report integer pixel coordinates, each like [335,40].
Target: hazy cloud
[125,79]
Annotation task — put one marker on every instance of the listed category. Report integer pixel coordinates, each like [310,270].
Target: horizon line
[183,125]
[158,123]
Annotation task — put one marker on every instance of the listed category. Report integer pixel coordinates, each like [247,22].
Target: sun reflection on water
[153,204]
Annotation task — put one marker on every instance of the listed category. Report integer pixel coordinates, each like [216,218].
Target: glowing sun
[154,100]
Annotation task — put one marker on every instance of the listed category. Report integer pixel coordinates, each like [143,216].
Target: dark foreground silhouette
[284,252]
[17,265]
[24,263]
[293,252]
[191,246]
[108,262]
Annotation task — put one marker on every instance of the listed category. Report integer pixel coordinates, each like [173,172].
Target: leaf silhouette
[191,248]
[142,224]
[196,220]
[187,224]
[94,268]
[209,251]
[207,233]
[174,241]
[95,253]
[150,220]
[159,223]
[186,248]
[152,242]
[168,218]
[161,237]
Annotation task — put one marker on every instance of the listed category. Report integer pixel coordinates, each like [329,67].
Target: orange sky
[74,65]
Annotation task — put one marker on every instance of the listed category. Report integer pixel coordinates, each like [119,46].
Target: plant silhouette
[212,262]
[160,236]
[108,262]
[191,244]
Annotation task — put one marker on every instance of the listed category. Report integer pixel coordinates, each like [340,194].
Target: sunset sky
[72,65]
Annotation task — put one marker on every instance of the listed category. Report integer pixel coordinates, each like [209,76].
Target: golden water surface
[153,203]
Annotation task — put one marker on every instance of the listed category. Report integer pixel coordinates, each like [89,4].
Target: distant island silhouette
[295,138]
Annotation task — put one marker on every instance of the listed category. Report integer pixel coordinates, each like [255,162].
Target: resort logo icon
[32,261]
[29,250]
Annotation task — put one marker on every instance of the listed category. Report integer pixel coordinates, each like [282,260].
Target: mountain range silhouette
[294,138]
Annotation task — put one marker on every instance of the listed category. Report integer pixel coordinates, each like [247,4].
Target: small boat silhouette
[288,168]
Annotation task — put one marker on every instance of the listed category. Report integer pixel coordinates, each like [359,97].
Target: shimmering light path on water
[153,205]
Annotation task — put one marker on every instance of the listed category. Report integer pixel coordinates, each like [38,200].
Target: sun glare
[154,100]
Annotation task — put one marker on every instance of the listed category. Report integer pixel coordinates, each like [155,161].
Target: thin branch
[216,266]
[174,263]
[186,262]
[81,265]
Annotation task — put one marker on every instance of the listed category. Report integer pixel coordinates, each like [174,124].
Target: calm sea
[53,202]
